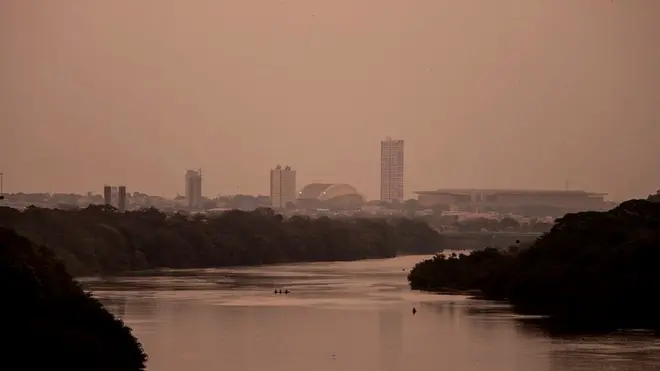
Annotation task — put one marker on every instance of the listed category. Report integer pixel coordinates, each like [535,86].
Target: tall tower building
[121,198]
[107,195]
[194,188]
[282,186]
[391,170]
[114,193]
[115,196]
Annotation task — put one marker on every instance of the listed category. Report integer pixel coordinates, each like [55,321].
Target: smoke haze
[493,94]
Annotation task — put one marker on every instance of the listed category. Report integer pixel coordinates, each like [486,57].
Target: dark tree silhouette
[50,323]
[598,270]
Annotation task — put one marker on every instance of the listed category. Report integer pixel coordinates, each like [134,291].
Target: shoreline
[156,271]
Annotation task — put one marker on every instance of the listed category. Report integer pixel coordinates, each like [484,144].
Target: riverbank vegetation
[100,240]
[593,270]
[50,323]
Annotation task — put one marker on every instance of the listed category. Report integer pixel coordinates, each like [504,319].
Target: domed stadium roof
[324,192]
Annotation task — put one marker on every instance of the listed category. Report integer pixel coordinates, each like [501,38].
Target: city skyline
[391,181]
[192,189]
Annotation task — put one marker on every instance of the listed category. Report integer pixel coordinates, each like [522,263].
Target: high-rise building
[114,193]
[121,198]
[282,186]
[194,188]
[391,170]
[107,195]
[115,196]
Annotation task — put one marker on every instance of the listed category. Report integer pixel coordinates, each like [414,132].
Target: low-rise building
[523,202]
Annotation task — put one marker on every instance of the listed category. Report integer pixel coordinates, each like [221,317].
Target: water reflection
[342,316]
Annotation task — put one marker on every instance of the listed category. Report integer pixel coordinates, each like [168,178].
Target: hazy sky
[505,94]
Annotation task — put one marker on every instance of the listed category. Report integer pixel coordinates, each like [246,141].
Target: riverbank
[593,270]
[174,272]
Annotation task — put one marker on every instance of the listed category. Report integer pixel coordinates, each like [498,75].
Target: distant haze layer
[486,94]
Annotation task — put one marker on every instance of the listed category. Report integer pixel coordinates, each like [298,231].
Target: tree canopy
[50,323]
[598,270]
[100,240]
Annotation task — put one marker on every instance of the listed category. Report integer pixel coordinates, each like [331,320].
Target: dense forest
[100,240]
[593,270]
[50,323]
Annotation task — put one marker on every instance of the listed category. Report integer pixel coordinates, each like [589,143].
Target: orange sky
[507,93]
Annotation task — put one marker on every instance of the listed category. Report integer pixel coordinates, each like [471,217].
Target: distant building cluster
[283,193]
[523,202]
[115,196]
[321,198]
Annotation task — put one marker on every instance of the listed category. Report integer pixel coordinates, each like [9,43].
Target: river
[342,316]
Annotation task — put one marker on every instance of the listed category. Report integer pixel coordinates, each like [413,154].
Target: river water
[342,316]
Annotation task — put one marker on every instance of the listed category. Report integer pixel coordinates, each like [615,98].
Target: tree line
[99,240]
[591,271]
